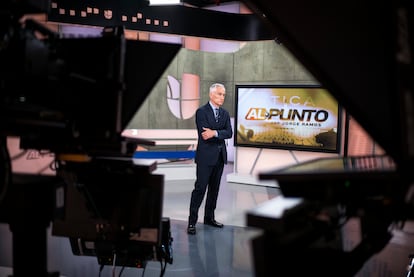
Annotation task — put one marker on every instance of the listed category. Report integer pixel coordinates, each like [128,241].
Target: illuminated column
[191,43]
[183,100]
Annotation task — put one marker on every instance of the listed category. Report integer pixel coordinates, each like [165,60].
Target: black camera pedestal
[28,208]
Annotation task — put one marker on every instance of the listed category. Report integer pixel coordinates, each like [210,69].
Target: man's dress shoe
[191,229]
[213,223]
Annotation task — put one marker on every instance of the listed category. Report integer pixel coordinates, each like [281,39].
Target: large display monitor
[292,117]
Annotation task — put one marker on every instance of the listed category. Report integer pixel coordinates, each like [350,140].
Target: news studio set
[111,209]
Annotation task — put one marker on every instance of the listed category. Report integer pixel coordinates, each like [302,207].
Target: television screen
[292,117]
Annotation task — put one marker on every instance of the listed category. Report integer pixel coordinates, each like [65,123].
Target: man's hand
[208,133]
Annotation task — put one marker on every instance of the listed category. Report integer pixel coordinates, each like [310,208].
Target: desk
[173,165]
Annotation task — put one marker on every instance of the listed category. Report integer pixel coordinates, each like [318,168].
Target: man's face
[217,96]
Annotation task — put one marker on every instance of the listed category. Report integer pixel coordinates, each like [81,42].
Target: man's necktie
[216,114]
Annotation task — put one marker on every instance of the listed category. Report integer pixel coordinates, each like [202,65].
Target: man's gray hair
[215,85]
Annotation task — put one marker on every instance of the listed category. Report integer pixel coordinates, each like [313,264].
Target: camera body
[73,97]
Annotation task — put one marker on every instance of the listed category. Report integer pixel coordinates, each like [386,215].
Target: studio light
[164,2]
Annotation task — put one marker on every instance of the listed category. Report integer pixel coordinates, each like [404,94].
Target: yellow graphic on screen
[287,117]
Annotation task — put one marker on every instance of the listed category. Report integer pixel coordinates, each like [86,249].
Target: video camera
[73,97]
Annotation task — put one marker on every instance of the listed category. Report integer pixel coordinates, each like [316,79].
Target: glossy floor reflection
[211,252]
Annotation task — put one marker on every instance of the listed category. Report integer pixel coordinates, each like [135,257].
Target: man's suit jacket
[208,150]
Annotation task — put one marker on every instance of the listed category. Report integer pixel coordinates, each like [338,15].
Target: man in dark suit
[213,127]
